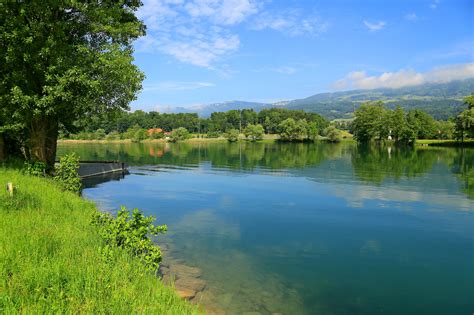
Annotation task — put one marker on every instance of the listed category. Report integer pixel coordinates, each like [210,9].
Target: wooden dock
[96,168]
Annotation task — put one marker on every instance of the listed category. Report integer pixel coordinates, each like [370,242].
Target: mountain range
[441,100]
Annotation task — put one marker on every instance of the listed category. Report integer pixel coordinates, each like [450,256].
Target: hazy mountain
[442,100]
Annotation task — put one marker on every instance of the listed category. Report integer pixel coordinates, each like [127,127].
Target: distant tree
[179,134]
[422,124]
[130,133]
[465,124]
[139,135]
[232,135]
[333,134]
[312,131]
[291,130]
[113,135]
[99,134]
[254,132]
[370,122]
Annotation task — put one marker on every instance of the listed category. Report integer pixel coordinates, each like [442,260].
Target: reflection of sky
[318,232]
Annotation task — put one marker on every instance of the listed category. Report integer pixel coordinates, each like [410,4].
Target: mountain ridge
[441,100]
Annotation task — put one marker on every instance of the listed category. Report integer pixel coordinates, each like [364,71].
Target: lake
[306,228]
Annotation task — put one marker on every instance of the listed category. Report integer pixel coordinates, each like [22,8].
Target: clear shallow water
[308,228]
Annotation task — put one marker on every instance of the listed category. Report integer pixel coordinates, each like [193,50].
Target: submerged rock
[190,283]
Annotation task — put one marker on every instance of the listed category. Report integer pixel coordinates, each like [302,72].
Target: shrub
[99,134]
[333,134]
[113,135]
[35,168]
[232,135]
[213,134]
[66,173]
[179,134]
[291,130]
[139,135]
[131,234]
[254,132]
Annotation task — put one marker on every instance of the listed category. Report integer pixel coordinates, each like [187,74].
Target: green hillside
[441,100]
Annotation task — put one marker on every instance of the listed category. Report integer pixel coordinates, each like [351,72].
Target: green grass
[50,260]
[445,143]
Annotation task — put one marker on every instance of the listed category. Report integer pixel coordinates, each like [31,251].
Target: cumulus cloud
[373,27]
[405,77]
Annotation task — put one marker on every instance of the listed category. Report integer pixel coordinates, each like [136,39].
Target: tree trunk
[43,136]
[2,148]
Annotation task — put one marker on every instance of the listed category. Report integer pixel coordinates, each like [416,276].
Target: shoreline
[60,249]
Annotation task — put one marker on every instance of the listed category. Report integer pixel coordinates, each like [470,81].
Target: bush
[213,134]
[35,168]
[99,134]
[232,135]
[291,130]
[113,135]
[66,173]
[131,234]
[179,134]
[139,135]
[333,134]
[254,132]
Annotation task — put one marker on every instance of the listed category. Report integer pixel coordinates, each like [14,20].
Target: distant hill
[441,100]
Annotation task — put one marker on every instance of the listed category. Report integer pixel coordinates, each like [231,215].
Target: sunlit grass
[50,260]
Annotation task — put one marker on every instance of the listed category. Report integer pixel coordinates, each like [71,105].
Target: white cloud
[285,70]
[434,4]
[291,22]
[411,16]
[405,77]
[202,32]
[373,27]
[195,32]
[176,86]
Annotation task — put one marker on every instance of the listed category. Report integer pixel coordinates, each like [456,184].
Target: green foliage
[464,127]
[63,62]
[52,262]
[179,134]
[291,130]
[35,168]
[131,235]
[213,134]
[312,131]
[333,134]
[113,135]
[369,122]
[232,135]
[139,135]
[100,134]
[254,132]
[66,173]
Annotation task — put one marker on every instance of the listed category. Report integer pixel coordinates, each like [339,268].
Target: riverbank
[51,259]
[445,143]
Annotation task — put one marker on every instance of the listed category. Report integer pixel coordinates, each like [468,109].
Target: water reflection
[307,228]
[369,164]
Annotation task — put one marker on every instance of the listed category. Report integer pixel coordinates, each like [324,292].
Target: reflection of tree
[243,155]
[463,166]
[373,163]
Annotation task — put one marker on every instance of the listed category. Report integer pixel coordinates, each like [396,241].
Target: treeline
[125,125]
[374,121]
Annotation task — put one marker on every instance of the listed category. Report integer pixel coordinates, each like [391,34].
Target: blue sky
[205,51]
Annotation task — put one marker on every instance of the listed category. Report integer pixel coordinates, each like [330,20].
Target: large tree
[62,61]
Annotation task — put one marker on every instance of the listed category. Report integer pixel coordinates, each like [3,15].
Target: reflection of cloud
[357,195]
[207,220]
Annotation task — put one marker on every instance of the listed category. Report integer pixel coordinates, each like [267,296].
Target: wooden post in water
[10,189]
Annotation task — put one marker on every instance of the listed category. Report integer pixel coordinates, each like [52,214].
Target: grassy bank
[51,261]
[445,143]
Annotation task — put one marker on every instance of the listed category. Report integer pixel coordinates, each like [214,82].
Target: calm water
[308,229]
